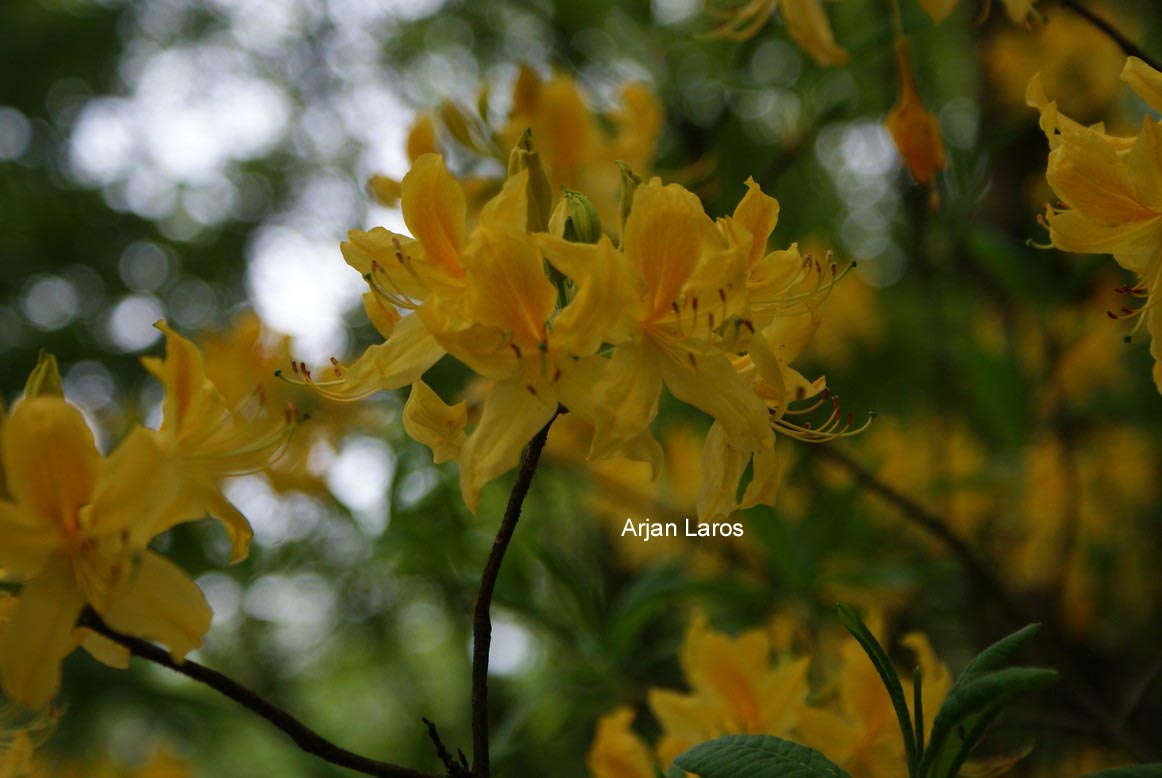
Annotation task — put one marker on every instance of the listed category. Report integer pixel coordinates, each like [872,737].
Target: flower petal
[512,416]
[435,211]
[434,423]
[136,484]
[722,468]
[50,459]
[718,390]
[403,358]
[40,634]
[161,603]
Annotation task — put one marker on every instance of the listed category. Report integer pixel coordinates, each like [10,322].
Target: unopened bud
[524,156]
[630,181]
[582,223]
[45,378]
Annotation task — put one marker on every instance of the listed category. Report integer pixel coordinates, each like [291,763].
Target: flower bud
[540,193]
[582,224]
[45,378]
[630,181]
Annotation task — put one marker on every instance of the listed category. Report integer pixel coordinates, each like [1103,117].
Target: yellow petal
[161,603]
[665,237]
[628,392]
[50,458]
[511,416]
[386,190]
[104,650]
[191,400]
[383,317]
[396,263]
[434,423]
[137,482]
[40,634]
[28,540]
[1086,173]
[422,138]
[435,211]
[758,213]
[1145,81]
[406,355]
[510,206]
[1154,327]
[237,526]
[507,285]
[722,467]
[597,313]
[715,388]
[764,484]
[616,751]
[808,26]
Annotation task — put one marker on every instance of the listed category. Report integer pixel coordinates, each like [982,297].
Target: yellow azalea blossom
[241,361]
[404,272]
[1111,197]
[685,313]
[75,532]
[616,751]
[439,426]
[806,22]
[735,688]
[211,438]
[916,132]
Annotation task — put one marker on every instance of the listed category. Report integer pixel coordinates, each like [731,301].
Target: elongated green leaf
[1132,771]
[995,656]
[757,756]
[965,715]
[883,665]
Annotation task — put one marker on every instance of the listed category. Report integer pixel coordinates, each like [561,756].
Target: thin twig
[1130,48]
[304,737]
[481,617]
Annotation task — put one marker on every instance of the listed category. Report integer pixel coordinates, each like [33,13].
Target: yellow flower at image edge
[75,531]
[1111,196]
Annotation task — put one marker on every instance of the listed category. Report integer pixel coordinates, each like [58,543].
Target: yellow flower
[75,533]
[211,438]
[685,313]
[1111,196]
[915,131]
[735,688]
[806,22]
[616,751]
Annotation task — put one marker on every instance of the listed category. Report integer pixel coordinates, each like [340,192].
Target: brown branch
[481,618]
[304,737]
[1130,48]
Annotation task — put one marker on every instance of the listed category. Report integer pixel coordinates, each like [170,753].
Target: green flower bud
[45,378]
[525,157]
[582,224]
[630,181]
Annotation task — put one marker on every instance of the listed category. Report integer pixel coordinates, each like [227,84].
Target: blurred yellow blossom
[1111,197]
[806,21]
[75,533]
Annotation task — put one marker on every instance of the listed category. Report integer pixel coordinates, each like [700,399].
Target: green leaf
[968,711]
[1133,771]
[995,656]
[891,681]
[757,756]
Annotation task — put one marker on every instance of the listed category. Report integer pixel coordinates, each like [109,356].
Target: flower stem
[481,614]
[1129,48]
[304,737]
